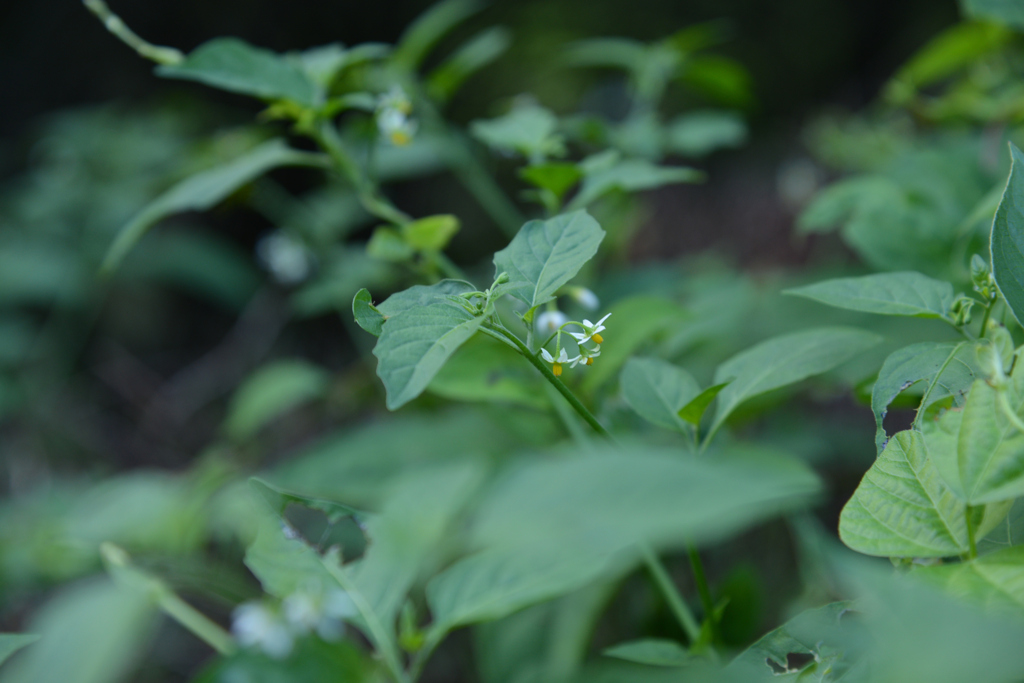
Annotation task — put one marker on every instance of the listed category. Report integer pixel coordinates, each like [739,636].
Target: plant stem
[972,545]
[114,24]
[705,592]
[651,559]
[984,320]
[196,622]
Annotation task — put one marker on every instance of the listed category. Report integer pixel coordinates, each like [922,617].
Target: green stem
[972,545]
[671,593]
[196,622]
[984,320]
[705,591]
[651,560]
[114,24]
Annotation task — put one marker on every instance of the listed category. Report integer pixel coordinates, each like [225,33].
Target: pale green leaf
[12,642]
[207,188]
[270,392]
[996,580]
[651,651]
[631,175]
[909,294]
[367,316]
[990,450]
[903,507]
[784,360]
[1008,238]
[236,66]
[834,205]
[545,255]
[89,632]
[948,368]
[421,295]
[432,233]
[527,130]
[658,390]
[414,344]
[701,132]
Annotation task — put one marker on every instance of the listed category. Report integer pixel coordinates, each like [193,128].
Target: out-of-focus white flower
[315,611]
[285,259]
[255,625]
[590,331]
[585,298]
[548,322]
[393,121]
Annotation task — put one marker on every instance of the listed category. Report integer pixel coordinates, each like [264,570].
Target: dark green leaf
[650,651]
[908,294]
[1008,238]
[421,295]
[367,315]
[236,66]
[559,178]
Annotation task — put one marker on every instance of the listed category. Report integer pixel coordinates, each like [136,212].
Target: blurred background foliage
[130,405]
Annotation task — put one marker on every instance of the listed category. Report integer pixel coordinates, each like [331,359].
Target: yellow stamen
[401,138]
[556,369]
[590,361]
[597,338]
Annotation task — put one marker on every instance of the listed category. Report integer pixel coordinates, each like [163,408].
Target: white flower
[287,260]
[254,625]
[585,298]
[306,612]
[557,363]
[393,120]
[395,98]
[548,322]
[590,331]
[586,356]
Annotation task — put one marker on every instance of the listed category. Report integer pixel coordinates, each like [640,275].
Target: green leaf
[12,642]
[948,368]
[312,659]
[634,322]
[784,360]
[72,647]
[559,178]
[693,411]
[495,583]
[995,581]
[487,370]
[908,294]
[614,498]
[421,295]
[387,244]
[481,50]
[430,27]
[652,651]
[623,53]
[544,255]
[270,392]
[236,66]
[903,507]
[367,315]
[207,188]
[821,633]
[957,48]
[631,175]
[835,204]
[657,391]
[432,233]
[527,130]
[989,449]
[701,132]
[1008,238]
[416,343]
[1008,12]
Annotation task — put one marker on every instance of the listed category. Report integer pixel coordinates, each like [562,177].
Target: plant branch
[114,24]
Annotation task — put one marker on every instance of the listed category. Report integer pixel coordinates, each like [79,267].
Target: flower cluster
[393,121]
[273,629]
[591,333]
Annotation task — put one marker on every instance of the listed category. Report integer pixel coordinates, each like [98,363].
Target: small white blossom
[585,298]
[255,625]
[586,356]
[285,259]
[313,611]
[557,363]
[590,331]
[393,121]
[548,322]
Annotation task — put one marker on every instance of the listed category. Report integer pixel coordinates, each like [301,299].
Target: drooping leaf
[206,189]
[652,651]
[784,360]
[821,633]
[415,344]
[657,390]
[995,580]
[909,294]
[12,642]
[271,391]
[631,175]
[634,322]
[367,315]
[948,368]
[1008,238]
[545,255]
[528,130]
[236,66]
[903,507]
[72,647]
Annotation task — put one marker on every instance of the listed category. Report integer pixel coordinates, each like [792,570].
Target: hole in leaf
[317,530]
